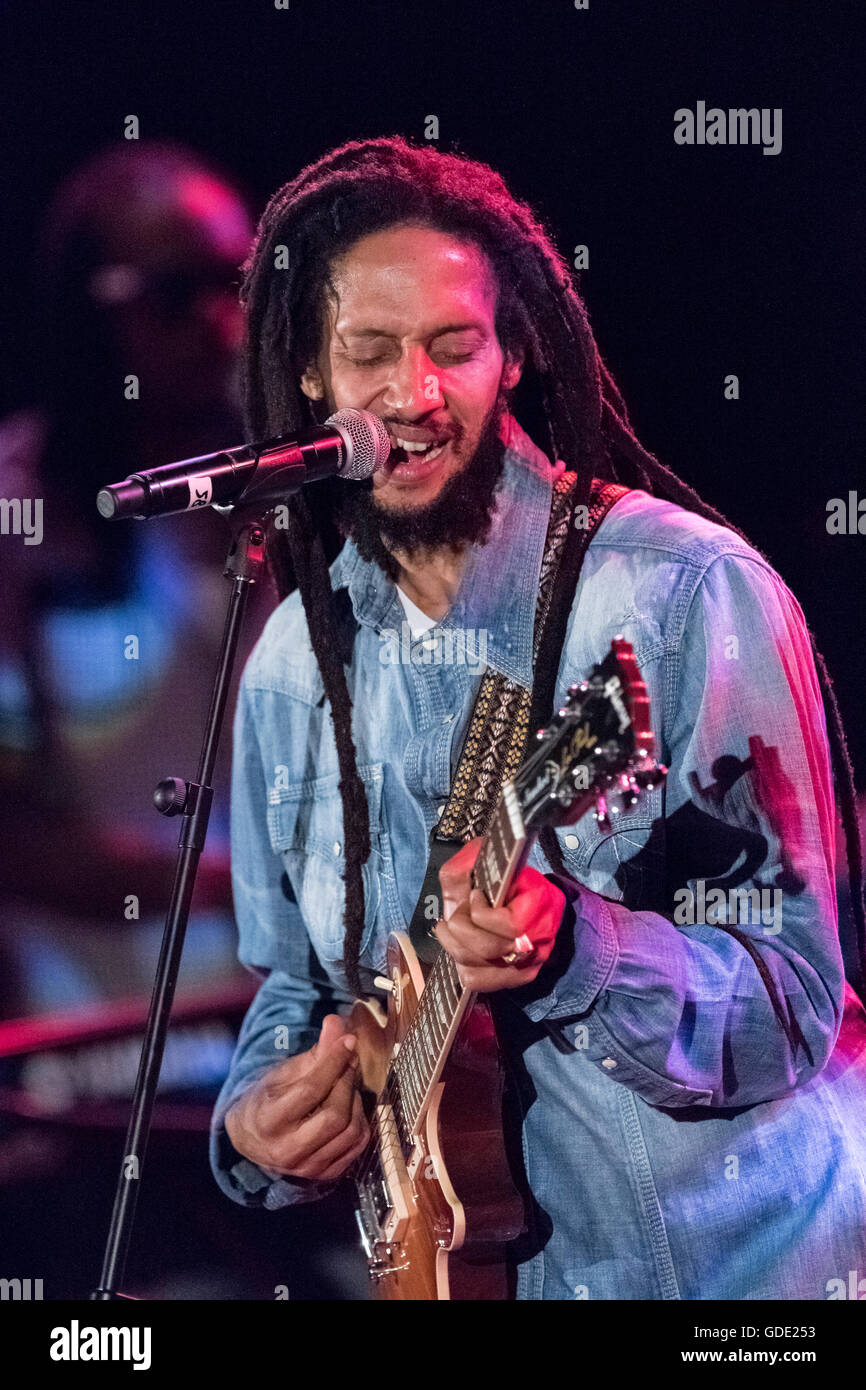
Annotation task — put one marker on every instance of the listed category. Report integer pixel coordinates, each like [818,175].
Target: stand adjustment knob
[170,796]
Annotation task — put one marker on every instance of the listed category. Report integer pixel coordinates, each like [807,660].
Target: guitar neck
[444,1000]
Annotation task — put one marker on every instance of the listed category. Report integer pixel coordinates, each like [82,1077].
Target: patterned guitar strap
[494,745]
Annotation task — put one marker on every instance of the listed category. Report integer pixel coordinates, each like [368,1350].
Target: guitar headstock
[598,748]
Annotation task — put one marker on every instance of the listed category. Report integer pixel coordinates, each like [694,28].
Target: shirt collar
[495,604]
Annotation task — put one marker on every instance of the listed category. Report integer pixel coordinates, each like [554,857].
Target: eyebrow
[439,332]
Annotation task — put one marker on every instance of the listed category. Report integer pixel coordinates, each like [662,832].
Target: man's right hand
[304,1117]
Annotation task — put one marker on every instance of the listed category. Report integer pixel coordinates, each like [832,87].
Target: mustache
[460,515]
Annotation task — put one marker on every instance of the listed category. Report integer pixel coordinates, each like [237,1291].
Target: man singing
[692,1083]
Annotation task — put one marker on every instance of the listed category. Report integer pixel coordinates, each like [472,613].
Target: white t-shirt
[417,619]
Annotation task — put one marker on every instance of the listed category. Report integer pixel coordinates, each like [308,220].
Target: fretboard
[424,1051]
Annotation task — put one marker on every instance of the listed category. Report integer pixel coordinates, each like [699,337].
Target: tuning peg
[647,778]
[628,790]
[601,814]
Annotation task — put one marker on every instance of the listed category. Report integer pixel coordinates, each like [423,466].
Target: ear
[311,384]
[512,370]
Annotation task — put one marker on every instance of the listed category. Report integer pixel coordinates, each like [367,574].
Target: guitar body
[453,1201]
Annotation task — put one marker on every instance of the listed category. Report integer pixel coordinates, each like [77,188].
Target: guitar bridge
[384,1194]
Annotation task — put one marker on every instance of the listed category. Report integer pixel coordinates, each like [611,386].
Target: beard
[459,516]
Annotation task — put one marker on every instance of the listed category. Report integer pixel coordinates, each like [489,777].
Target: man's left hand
[478,937]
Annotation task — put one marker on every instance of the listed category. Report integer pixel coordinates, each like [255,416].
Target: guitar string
[393,1090]
[396,1092]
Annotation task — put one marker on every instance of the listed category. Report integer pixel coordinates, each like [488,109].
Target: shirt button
[337,847]
[571,842]
[429,643]
[609,1063]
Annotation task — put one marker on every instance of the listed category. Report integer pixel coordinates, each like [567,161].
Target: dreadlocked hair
[363,187]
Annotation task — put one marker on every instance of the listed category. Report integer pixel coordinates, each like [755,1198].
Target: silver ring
[519,955]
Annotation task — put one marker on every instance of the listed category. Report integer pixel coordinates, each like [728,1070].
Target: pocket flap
[308,815]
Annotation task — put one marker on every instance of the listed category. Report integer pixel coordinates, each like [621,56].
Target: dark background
[704,261]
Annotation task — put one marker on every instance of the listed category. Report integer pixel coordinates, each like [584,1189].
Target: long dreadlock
[366,186]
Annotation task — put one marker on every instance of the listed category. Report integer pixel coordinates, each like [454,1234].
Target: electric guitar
[436,1201]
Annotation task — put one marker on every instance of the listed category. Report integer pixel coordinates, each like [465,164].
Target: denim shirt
[680,1141]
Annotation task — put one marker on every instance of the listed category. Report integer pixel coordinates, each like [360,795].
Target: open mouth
[415,451]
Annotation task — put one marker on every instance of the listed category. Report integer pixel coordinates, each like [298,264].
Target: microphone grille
[368,442]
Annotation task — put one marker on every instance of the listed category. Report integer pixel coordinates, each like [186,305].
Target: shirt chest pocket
[626,864]
[305,824]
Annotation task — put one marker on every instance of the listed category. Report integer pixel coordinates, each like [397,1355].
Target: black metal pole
[192,801]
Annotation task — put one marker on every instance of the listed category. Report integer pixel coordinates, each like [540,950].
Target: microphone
[351,444]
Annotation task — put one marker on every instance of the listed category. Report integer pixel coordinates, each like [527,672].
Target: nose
[413,387]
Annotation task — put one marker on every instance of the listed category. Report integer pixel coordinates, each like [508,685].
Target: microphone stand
[192,801]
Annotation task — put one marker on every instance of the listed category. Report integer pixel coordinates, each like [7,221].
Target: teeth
[415,447]
[428,451]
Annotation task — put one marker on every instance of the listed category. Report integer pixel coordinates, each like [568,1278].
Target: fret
[434,1021]
[441,1013]
[419,1043]
[416,1091]
[409,1089]
[430,1044]
[399,1120]
[453,987]
[428,1048]
[450,986]
[406,1080]
[446,1002]
[446,994]
[403,1128]
[434,1029]
[417,1076]
[495,852]
[393,1089]
[499,847]
[398,1071]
